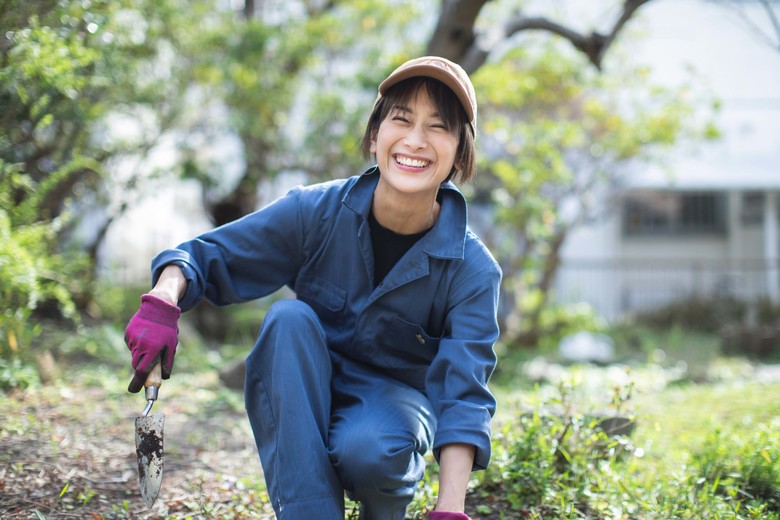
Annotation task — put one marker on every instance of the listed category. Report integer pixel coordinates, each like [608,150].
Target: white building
[708,226]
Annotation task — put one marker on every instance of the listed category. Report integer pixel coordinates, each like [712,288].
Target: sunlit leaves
[31,271]
[558,134]
[55,86]
[41,58]
[293,80]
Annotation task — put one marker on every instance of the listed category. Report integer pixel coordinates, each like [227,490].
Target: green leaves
[32,269]
[43,60]
[552,463]
[559,136]
[741,465]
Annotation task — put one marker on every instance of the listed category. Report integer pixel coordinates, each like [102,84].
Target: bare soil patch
[70,453]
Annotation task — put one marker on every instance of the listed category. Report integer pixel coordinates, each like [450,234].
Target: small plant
[744,468]
[553,464]
[85,496]
[14,374]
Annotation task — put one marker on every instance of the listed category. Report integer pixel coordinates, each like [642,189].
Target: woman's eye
[401,119]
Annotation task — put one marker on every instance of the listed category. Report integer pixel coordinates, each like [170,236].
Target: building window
[663,213]
[752,211]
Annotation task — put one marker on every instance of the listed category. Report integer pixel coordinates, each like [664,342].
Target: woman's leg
[380,431]
[288,399]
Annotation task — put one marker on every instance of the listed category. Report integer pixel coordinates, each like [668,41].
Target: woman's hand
[152,336]
[153,332]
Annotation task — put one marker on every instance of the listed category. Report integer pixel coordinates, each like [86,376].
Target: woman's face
[413,148]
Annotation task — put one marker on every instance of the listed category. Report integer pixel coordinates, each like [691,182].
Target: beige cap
[449,73]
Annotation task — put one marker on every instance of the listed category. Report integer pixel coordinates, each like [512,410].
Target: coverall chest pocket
[325,298]
[407,344]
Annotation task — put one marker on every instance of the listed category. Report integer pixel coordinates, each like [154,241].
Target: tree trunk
[531,335]
[454,35]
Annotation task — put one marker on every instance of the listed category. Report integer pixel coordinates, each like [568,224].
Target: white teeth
[416,163]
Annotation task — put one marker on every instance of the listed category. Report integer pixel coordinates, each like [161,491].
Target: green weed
[16,375]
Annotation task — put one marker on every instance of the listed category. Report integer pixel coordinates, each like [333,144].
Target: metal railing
[618,287]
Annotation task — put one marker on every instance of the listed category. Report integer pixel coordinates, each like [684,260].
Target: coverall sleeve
[457,380]
[243,260]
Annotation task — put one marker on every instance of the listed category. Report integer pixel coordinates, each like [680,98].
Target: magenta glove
[447,515]
[152,336]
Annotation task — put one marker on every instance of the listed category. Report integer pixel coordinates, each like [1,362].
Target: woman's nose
[416,138]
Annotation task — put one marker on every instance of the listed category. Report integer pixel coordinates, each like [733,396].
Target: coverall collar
[446,239]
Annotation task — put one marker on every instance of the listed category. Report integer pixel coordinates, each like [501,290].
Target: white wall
[672,36]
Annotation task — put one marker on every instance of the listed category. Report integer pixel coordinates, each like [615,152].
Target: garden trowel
[149,441]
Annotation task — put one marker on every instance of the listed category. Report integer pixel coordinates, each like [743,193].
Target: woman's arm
[171,285]
[455,464]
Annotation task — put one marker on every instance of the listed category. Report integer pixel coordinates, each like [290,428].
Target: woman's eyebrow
[402,108]
[405,109]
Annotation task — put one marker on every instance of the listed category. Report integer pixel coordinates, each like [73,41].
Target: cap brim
[431,71]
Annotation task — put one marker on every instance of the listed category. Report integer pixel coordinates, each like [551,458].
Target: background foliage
[105,102]
[102,102]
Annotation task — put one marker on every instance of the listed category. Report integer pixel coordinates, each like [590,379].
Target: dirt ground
[70,453]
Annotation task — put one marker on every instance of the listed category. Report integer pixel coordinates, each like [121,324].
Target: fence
[618,287]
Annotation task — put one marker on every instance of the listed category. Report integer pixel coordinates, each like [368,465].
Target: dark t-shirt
[389,247]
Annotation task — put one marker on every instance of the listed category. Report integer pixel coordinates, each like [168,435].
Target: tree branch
[759,32]
[454,37]
[773,19]
[316,10]
[593,45]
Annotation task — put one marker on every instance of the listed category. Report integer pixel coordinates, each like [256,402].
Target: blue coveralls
[349,384]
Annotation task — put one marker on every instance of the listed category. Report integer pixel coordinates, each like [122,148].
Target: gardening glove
[152,336]
[447,515]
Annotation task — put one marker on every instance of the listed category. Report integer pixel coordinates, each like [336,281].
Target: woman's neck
[405,215]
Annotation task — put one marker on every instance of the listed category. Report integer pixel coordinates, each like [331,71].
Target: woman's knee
[290,324]
[379,461]
[290,363]
[291,313]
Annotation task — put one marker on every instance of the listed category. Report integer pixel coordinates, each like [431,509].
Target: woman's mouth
[410,162]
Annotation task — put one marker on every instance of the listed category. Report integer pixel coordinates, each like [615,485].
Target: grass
[705,444]
[704,447]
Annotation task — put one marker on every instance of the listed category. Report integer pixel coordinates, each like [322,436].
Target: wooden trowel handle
[153,382]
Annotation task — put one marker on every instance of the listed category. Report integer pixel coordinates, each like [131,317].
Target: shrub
[32,270]
[565,465]
[696,313]
[552,465]
[758,336]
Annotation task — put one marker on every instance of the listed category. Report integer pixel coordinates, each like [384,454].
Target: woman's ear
[372,147]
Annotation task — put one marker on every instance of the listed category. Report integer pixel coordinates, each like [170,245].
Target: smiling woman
[387,349]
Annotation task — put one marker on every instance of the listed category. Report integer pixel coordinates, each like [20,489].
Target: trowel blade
[149,448]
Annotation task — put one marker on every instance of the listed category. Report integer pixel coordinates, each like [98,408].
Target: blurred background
[629,171]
